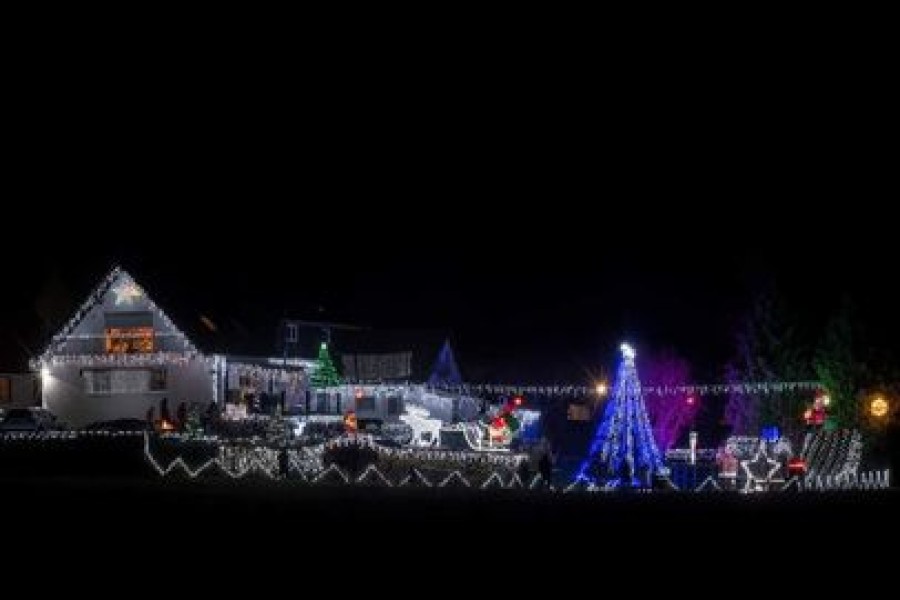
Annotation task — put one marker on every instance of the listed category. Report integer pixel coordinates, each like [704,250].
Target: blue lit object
[445,370]
[771,433]
[623,452]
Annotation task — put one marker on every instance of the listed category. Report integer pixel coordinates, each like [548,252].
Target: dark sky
[539,224]
[549,290]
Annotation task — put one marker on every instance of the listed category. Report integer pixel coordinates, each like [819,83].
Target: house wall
[65,394]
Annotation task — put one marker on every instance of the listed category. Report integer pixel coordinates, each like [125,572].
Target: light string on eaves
[129,360]
[562,390]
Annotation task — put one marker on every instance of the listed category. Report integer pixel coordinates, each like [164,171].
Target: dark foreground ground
[218,534]
[269,509]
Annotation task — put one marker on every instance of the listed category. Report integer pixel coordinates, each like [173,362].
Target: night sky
[539,231]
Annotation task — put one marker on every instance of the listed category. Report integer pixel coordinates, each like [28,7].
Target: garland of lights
[493,478]
[41,436]
[869,480]
[268,373]
[510,461]
[130,360]
[308,460]
[749,388]
[710,483]
[422,479]
[372,469]
[238,462]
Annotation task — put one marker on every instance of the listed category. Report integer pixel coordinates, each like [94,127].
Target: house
[119,356]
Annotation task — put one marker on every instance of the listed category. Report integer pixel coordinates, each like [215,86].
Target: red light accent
[815,416]
[797,465]
[690,400]
[518,401]
[498,423]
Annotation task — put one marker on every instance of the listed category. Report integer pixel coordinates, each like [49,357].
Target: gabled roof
[119,283]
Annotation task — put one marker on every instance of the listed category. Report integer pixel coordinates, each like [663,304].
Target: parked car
[29,419]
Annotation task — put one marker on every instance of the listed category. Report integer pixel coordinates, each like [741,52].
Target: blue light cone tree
[623,452]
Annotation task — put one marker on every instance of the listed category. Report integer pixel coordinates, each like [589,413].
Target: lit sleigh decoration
[504,425]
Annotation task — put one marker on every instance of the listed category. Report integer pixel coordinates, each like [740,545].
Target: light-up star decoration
[127,292]
[759,469]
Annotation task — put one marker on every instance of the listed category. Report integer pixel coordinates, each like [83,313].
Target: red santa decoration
[815,416]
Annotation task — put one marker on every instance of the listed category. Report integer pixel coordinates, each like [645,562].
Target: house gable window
[129,333]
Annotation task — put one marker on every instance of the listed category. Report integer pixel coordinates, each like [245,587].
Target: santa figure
[815,416]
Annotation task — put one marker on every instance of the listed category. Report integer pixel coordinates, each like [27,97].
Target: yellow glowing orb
[878,407]
[602,388]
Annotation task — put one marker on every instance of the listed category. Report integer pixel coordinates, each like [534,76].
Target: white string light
[515,481]
[305,464]
[406,480]
[331,469]
[495,478]
[709,482]
[752,479]
[374,470]
[454,475]
[747,388]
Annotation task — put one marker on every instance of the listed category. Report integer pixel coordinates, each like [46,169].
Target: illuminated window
[129,340]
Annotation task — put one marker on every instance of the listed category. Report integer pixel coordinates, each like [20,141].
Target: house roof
[117,282]
[251,330]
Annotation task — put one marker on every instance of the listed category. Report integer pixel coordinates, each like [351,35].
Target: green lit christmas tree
[325,374]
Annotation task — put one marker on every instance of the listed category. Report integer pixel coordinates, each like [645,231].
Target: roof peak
[127,289]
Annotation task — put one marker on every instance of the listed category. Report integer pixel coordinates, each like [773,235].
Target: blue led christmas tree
[623,452]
